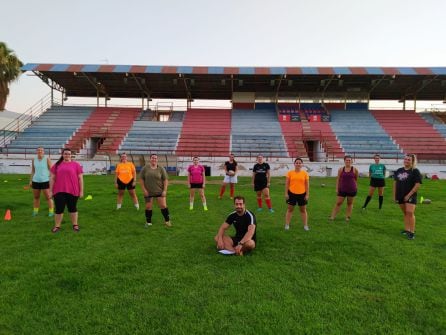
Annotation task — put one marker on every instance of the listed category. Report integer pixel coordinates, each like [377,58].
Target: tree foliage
[10,66]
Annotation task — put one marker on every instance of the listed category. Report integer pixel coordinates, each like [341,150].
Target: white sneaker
[148,224]
[287,227]
[306,228]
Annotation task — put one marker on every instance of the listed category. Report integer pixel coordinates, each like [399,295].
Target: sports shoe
[287,227]
[330,219]
[35,213]
[205,208]
[148,224]
[404,232]
[168,224]
[191,208]
[232,198]
[271,210]
[259,209]
[306,228]
[410,236]
[219,197]
[347,219]
[50,214]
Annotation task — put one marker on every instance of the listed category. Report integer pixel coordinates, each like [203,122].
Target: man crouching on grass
[244,223]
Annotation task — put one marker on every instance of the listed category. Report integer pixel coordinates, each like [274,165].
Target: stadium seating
[151,137]
[110,124]
[51,130]
[257,132]
[436,121]
[361,136]
[412,133]
[205,132]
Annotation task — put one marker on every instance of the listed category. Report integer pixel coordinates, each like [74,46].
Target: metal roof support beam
[142,85]
[186,87]
[282,77]
[326,83]
[424,84]
[100,88]
[232,88]
[375,84]
[48,81]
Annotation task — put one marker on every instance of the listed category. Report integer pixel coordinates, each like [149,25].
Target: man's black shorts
[236,240]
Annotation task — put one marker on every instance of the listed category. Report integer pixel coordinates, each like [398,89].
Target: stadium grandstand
[318,113]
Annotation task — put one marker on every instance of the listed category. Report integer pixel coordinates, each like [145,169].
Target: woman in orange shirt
[297,191]
[126,179]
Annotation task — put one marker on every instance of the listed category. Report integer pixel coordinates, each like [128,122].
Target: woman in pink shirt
[66,186]
[197,180]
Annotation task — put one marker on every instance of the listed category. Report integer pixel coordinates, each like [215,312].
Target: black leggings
[65,199]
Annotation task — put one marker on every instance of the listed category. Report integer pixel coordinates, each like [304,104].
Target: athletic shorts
[122,186]
[260,186]
[412,200]
[296,199]
[62,199]
[40,186]
[195,185]
[236,240]
[377,182]
[347,194]
[230,179]
[149,198]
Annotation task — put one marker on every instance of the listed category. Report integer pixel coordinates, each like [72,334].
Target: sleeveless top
[41,172]
[347,181]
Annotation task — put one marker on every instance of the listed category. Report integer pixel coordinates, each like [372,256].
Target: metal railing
[15,127]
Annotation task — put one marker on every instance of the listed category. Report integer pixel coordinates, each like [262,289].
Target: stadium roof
[201,82]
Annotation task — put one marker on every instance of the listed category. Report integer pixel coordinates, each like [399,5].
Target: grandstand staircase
[205,132]
[322,132]
[109,125]
[293,134]
[412,133]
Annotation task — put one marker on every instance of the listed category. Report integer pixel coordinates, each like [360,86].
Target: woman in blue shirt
[40,181]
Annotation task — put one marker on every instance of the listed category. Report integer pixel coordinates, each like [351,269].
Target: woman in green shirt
[377,174]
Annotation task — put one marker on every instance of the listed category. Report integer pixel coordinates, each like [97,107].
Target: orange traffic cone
[8,215]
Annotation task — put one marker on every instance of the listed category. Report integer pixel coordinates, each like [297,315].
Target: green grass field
[117,277]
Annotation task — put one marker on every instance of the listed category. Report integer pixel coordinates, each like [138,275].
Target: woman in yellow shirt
[126,179]
[297,191]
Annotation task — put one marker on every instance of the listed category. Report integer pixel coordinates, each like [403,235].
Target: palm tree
[9,71]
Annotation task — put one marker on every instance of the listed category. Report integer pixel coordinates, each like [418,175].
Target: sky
[220,33]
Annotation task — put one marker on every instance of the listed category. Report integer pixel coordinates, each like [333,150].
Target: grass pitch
[116,277]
